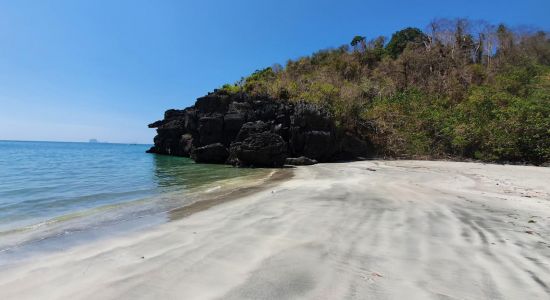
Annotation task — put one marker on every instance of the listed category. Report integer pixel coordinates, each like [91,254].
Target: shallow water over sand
[50,189]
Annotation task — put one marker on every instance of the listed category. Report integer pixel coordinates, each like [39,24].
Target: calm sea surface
[51,189]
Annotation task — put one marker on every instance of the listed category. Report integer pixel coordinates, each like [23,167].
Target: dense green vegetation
[459,89]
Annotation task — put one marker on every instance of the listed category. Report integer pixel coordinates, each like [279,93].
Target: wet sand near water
[360,230]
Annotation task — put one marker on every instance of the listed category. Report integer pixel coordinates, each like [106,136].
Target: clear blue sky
[74,70]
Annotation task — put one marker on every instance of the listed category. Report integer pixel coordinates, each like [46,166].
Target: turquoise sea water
[52,189]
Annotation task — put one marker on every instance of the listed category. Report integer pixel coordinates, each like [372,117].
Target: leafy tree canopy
[356,40]
[463,89]
[402,38]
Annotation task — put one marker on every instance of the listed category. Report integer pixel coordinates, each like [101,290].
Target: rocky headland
[243,130]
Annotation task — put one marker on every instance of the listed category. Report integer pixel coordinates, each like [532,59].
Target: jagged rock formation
[251,131]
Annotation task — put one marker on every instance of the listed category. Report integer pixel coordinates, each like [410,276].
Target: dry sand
[362,230]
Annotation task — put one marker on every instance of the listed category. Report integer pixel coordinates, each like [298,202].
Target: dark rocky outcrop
[254,131]
[263,149]
[213,153]
[300,161]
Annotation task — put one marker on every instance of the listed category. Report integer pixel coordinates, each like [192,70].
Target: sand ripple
[364,230]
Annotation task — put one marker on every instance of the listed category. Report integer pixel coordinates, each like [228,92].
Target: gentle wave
[57,189]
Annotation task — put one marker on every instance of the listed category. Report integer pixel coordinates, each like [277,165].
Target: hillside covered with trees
[458,88]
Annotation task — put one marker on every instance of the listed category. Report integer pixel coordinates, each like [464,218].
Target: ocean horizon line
[76,142]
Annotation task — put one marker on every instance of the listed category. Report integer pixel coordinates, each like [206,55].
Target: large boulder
[300,161]
[250,128]
[264,149]
[213,153]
